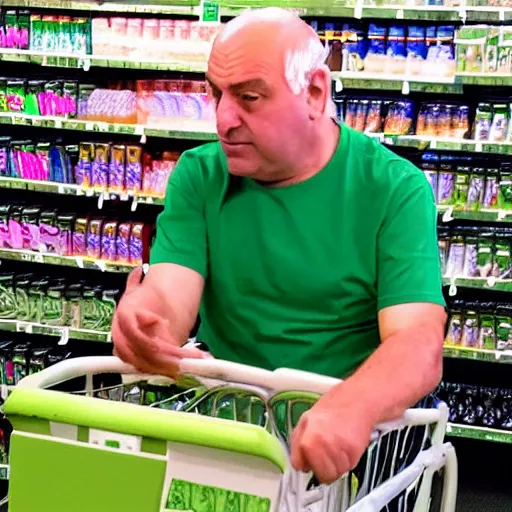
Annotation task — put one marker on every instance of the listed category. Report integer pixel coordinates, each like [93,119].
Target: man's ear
[319,92]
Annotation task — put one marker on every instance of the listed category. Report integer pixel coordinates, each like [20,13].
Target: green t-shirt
[295,276]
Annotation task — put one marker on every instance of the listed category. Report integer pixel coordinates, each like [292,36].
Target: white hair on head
[300,62]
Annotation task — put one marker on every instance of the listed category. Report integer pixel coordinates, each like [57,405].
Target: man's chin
[236,167]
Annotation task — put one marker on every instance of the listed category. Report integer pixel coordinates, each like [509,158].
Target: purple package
[140,240]
[4,225]
[30,228]
[66,223]
[94,239]
[133,178]
[99,169]
[108,241]
[123,242]
[116,169]
[14,239]
[80,237]
[83,168]
[49,232]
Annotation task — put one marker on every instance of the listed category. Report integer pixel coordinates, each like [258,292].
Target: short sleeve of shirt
[181,228]
[408,262]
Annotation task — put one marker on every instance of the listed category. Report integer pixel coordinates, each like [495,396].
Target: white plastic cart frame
[75,453]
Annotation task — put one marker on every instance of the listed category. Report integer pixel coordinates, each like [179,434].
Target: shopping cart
[214,441]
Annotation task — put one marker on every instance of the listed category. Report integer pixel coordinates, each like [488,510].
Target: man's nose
[228,115]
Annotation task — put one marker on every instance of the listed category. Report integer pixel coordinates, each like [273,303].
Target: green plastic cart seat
[78,454]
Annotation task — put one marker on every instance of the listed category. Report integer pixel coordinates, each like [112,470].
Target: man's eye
[250,98]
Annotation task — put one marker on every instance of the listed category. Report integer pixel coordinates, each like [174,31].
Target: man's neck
[321,151]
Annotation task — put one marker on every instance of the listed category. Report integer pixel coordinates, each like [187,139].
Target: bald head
[284,43]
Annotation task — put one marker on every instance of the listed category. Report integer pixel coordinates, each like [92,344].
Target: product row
[429,119]
[458,184]
[397,49]
[484,49]
[56,302]
[482,325]
[154,102]
[103,167]
[50,232]
[477,405]
[476,252]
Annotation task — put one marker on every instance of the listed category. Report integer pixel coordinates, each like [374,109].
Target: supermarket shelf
[72,190]
[449,213]
[404,83]
[476,354]
[69,60]
[481,433]
[67,261]
[487,79]
[179,132]
[489,283]
[64,333]
[425,142]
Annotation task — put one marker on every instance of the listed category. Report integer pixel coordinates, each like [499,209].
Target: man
[308,245]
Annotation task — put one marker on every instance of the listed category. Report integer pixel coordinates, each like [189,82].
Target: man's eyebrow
[257,83]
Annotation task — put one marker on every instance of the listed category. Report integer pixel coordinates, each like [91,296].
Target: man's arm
[407,365]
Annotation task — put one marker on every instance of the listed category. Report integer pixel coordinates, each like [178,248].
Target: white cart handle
[216,370]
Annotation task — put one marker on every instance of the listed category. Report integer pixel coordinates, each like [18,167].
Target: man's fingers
[134,279]
[297,456]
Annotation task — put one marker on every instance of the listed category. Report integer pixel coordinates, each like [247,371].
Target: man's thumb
[134,279]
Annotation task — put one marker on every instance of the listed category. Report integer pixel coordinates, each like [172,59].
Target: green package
[503,330]
[64,35]
[55,307]
[3,95]
[81,36]
[91,313]
[460,192]
[470,48]
[20,360]
[36,294]
[501,263]
[21,287]
[487,337]
[34,89]
[36,33]
[485,256]
[16,96]
[38,359]
[73,296]
[491,50]
[50,29]
[8,309]
[108,306]
[505,190]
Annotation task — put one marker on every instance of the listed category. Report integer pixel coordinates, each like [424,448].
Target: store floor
[482,487]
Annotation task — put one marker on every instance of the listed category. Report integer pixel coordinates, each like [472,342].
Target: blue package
[416,44]
[445,41]
[57,164]
[377,39]
[396,42]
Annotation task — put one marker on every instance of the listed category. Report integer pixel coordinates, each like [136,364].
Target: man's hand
[330,439]
[143,337]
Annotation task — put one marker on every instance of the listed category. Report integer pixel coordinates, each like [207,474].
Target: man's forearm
[404,368]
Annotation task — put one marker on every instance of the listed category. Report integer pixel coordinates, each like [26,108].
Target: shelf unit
[479,433]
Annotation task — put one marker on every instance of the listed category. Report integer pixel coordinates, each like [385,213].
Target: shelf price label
[210,12]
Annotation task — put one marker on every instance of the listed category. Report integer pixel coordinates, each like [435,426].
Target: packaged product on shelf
[502,261]
[476,189]
[20,360]
[133,171]
[399,118]
[455,263]
[461,189]
[14,237]
[109,241]
[50,26]
[100,167]
[94,238]
[396,50]
[84,93]
[6,369]
[485,260]
[140,241]
[116,169]
[123,242]
[58,165]
[55,307]
[113,106]
[503,327]
[454,331]
[470,43]
[30,228]
[49,233]
[15,33]
[81,229]
[416,49]
[36,32]
[91,310]
[15,92]
[375,60]
[69,107]
[490,200]
[38,359]
[483,120]
[36,292]
[21,286]
[3,95]
[74,296]
[505,189]
[108,306]
[8,309]
[446,184]
[83,169]
[470,268]
[470,330]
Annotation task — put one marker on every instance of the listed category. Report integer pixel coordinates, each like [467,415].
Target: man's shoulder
[207,162]
[377,163]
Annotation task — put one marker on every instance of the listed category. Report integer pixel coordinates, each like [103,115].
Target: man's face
[260,122]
